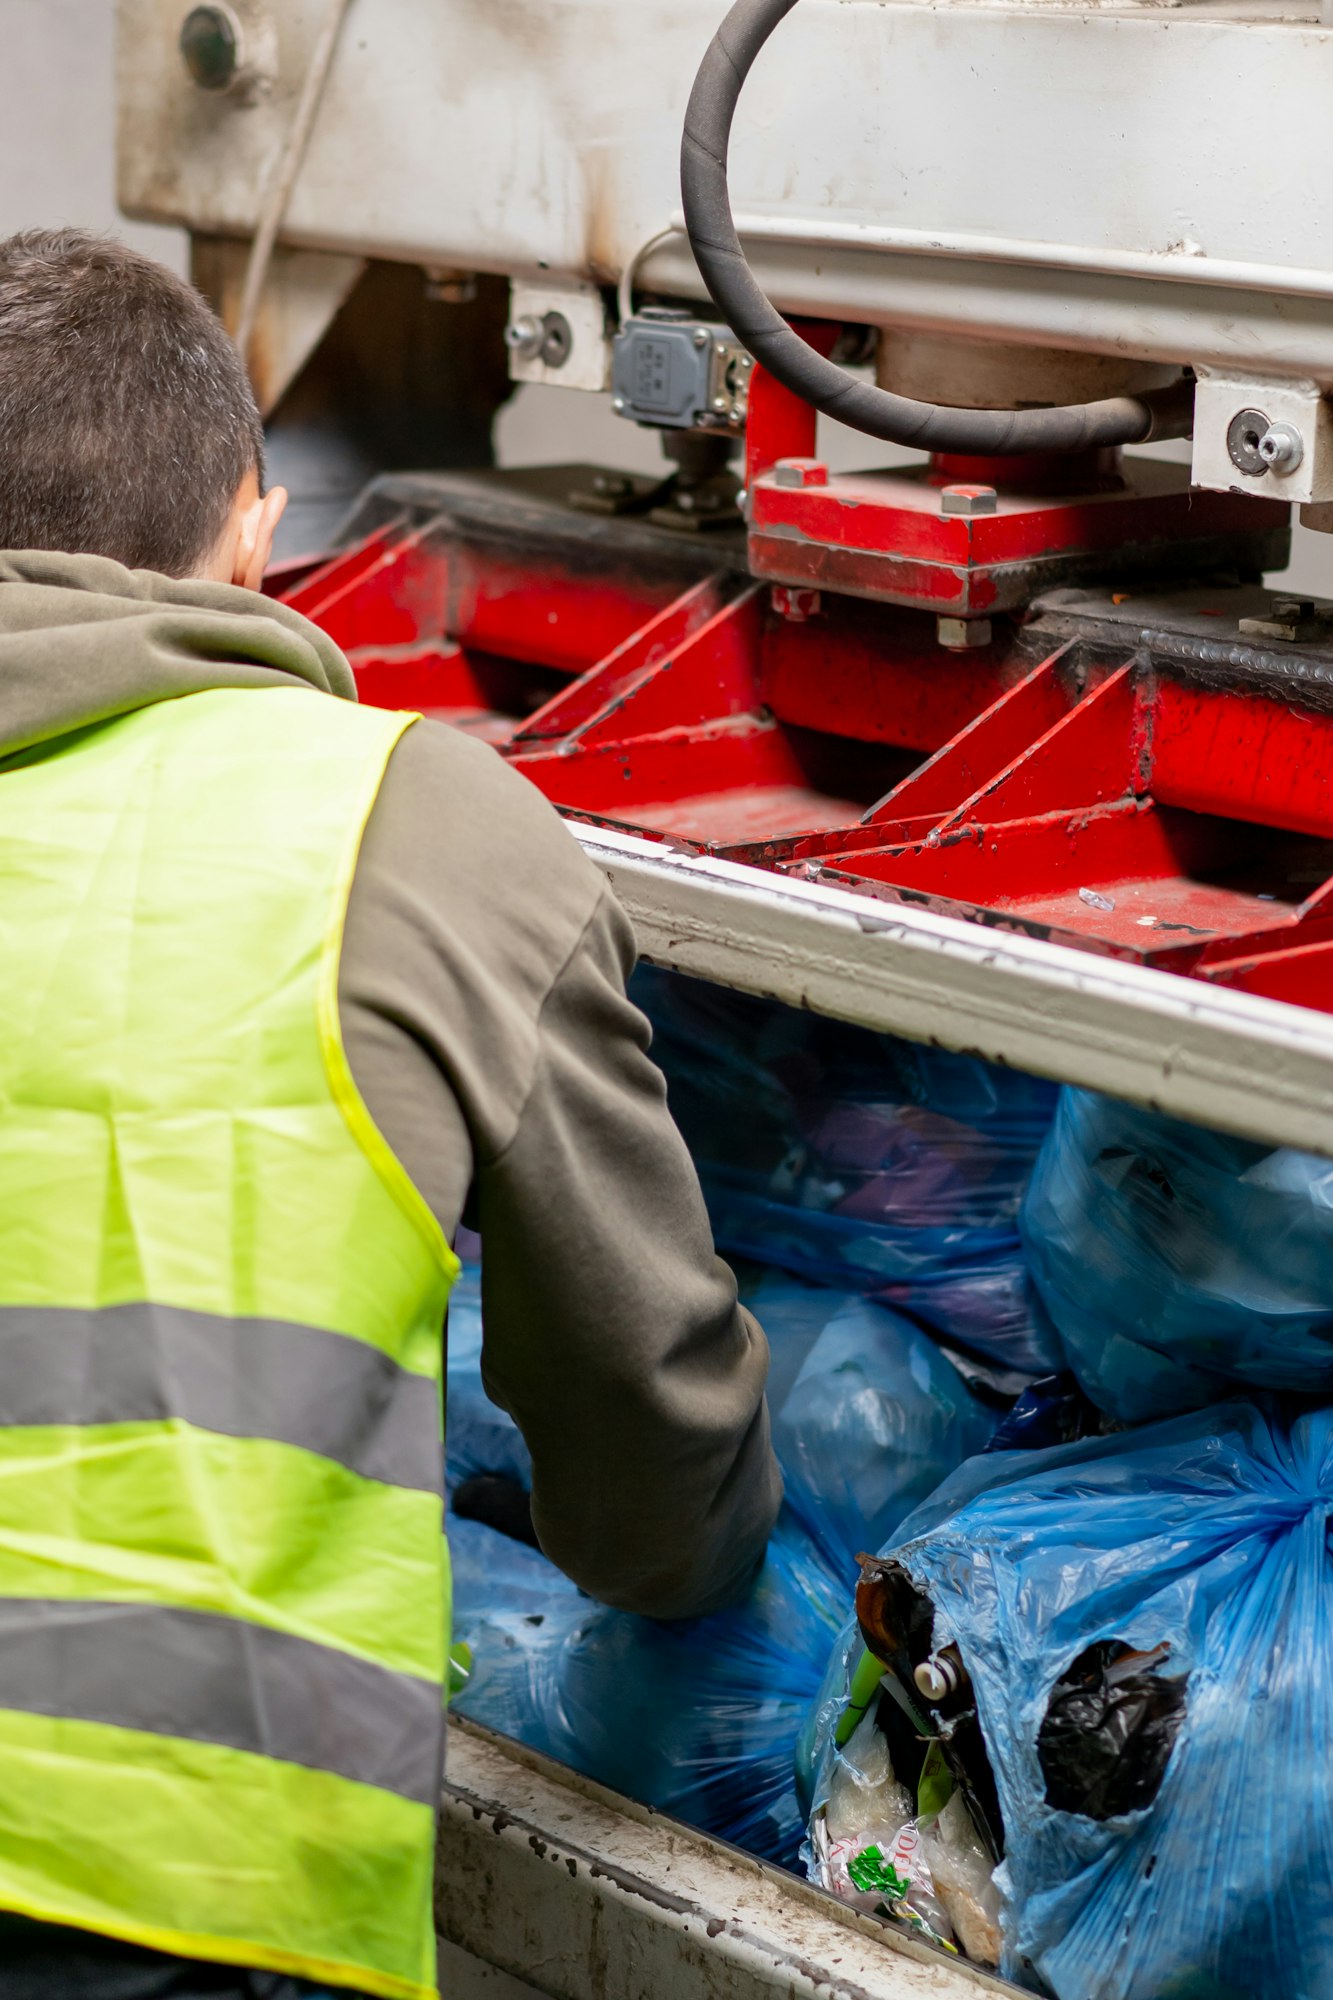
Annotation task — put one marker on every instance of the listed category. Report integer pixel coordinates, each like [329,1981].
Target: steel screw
[1282,448]
[721,405]
[968,500]
[702,336]
[800,472]
[525,336]
[618,405]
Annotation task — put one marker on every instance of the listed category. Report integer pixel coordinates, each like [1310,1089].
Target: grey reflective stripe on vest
[250,1378]
[210,1679]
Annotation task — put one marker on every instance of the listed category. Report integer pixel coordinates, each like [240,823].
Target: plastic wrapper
[917,1860]
[857,1159]
[1164,1595]
[1177,1263]
[868,1414]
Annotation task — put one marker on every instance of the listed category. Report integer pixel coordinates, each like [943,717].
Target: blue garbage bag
[1177,1263]
[868,1414]
[698,1718]
[1191,1558]
[479,1436]
[515,1613]
[857,1159]
[701,1718]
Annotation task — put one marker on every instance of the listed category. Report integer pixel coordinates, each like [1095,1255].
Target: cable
[625,290]
[284,179]
[739,299]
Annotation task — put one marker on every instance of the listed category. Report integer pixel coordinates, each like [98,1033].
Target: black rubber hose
[898,419]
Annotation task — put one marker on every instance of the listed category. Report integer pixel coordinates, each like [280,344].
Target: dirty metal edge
[1229,1060]
[587,1896]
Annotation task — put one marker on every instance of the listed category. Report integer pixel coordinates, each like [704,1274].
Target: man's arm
[613,1333]
[483,1008]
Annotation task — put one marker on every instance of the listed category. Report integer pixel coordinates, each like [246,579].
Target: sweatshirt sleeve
[613,1334]
[482,995]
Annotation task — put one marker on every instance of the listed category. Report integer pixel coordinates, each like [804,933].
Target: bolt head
[702,336]
[721,405]
[800,472]
[618,405]
[210,46]
[962,635]
[525,336]
[1281,448]
[794,604]
[968,500]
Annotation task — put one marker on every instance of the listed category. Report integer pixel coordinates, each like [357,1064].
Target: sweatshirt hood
[83,639]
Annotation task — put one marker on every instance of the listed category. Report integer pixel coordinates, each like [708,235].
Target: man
[283,984]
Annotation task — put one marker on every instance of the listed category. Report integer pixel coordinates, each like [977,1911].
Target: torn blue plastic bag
[859,1160]
[1177,1263]
[1147,1620]
[869,1415]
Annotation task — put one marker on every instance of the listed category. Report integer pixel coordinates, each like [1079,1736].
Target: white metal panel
[1223,1059]
[1170,166]
[559,1882]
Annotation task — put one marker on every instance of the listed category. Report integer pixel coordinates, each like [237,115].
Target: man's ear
[254,540]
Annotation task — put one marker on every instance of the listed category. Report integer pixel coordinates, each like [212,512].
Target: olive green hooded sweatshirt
[482,994]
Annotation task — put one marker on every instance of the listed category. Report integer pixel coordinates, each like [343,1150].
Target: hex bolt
[800,472]
[1282,447]
[795,604]
[961,635]
[968,500]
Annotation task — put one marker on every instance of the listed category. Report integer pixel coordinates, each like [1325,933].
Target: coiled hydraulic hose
[898,419]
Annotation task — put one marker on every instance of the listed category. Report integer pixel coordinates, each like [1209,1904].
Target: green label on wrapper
[873,1875]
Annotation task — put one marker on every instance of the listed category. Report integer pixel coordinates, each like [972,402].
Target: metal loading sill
[1227,1059]
[587,1896]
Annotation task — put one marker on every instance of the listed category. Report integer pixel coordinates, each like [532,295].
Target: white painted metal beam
[1223,1059]
[585,1896]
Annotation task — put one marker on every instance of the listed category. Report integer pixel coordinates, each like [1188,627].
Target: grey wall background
[57,165]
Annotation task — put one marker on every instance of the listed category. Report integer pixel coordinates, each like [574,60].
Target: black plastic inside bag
[1110,1726]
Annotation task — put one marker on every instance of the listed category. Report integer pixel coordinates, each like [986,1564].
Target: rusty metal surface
[588,1897]
[539,141]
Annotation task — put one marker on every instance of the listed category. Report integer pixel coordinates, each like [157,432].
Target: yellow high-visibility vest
[224,1594]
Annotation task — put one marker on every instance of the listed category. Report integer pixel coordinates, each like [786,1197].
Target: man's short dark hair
[127,422]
